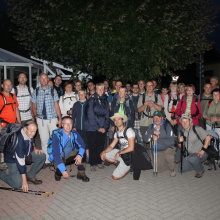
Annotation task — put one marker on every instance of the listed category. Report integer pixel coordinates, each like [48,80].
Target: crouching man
[195,153]
[122,156]
[16,175]
[162,133]
[68,148]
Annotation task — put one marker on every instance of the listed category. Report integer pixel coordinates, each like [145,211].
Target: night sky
[214,37]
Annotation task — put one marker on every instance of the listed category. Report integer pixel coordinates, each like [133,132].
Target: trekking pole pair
[35,192]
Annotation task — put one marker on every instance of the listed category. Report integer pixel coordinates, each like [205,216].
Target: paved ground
[183,197]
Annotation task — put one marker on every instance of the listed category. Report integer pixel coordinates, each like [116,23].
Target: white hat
[118,115]
[186,117]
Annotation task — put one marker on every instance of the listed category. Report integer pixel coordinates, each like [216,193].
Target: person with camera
[192,148]
[120,157]
[24,153]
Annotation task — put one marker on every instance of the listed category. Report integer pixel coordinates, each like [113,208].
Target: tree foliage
[126,38]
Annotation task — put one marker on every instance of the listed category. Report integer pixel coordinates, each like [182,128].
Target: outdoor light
[175,78]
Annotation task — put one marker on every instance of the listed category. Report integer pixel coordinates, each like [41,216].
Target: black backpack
[213,148]
[9,135]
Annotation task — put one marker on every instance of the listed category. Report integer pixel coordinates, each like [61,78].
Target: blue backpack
[49,143]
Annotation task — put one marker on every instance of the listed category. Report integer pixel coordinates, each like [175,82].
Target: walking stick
[34,192]
[181,159]
[155,158]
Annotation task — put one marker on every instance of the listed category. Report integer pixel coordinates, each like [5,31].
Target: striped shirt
[24,99]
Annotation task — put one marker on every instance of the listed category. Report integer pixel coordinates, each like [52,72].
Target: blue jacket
[97,113]
[59,142]
[23,148]
[128,109]
[78,115]
[166,137]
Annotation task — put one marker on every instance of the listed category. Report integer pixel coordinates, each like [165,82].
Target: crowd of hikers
[135,126]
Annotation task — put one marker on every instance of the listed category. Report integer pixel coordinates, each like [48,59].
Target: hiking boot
[83,177]
[198,175]
[34,181]
[47,165]
[57,177]
[172,173]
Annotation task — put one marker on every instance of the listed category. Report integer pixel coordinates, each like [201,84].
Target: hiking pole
[155,158]
[181,159]
[34,192]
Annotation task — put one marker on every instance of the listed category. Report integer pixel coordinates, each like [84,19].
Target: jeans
[193,162]
[12,175]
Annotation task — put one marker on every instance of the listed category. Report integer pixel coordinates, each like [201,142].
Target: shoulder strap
[16,90]
[209,103]
[52,91]
[143,98]
[4,100]
[156,97]
[37,90]
[29,90]
[125,133]
[194,130]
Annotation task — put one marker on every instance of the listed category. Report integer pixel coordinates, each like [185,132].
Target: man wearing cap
[120,157]
[161,132]
[195,153]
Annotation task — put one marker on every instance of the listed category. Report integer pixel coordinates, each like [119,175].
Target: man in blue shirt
[68,148]
[46,111]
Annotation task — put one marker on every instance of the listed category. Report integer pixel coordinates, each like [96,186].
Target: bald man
[9,112]
[46,111]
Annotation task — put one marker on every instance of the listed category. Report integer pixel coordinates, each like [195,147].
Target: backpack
[5,101]
[16,91]
[51,90]
[213,148]
[9,135]
[49,143]
[127,157]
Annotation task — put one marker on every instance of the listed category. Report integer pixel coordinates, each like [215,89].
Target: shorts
[122,168]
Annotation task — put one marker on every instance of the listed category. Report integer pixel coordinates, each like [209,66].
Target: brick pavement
[183,197]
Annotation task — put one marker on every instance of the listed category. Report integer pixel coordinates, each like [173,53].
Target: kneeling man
[122,156]
[162,134]
[16,175]
[68,148]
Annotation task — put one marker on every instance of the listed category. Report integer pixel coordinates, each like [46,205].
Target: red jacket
[196,110]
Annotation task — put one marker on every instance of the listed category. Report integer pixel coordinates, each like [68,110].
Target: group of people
[104,124]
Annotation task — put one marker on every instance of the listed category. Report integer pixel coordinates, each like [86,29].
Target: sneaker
[172,173]
[34,181]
